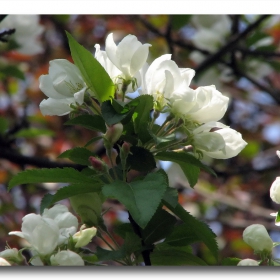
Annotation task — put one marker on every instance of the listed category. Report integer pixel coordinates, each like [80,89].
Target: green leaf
[182,235]
[3,125]
[171,196]
[159,227]
[141,198]
[93,140]
[67,192]
[33,132]
[12,71]
[107,255]
[92,71]
[95,123]
[255,37]
[200,229]
[110,115]
[276,244]
[141,159]
[142,116]
[230,261]
[132,243]
[53,175]
[124,228]
[78,155]
[188,163]
[178,21]
[167,256]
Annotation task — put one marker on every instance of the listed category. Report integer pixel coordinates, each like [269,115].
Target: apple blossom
[248,262]
[212,145]
[162,78]
[129,56]
[27,31]
[66,221]
[257,237]
[275,190]
[63,85]
[41,233]
[202,105]
[66,258]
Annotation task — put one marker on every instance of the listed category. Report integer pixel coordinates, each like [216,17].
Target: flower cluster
[198,109]
[48,235]
[27,31]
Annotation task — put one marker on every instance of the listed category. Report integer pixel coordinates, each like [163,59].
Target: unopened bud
[248,262]
[84,236]
[275,190]
[12,255]
[97,164]
[258,238]
[113,133]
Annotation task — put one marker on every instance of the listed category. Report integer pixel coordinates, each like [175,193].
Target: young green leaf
[95,123]
[107,255]
[53,175]
[230,261]
[92,71]
[142,116]
[141,198]
[78,155]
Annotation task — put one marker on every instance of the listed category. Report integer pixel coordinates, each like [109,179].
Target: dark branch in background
[2,17]
[6,33]
[168,37]
[229,46]
[265,54]
[41,162]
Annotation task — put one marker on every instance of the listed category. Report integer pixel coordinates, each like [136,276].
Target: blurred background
[239,54]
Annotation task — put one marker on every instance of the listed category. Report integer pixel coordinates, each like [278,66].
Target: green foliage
[171,196]
[141,198]
[167,255]
[178,21]
[141,159]
[3,125]
[107,255]
[142,116]
[11,71]
[95,123]
[158,227]
[200,229]
[92,71]
[78,155]
[33,132]
[54,175]
[67,192]
[188,163]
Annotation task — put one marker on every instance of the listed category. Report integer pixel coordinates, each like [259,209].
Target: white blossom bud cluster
[169,85]
[47,234]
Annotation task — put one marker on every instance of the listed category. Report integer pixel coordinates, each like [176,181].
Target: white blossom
[27,31]
[202,105]
[12,255]
[248,262]
[66,258]
[41,233]
[223,143]
[278,153]
[163,77]
[257,237]
[129,56]
[63,85]
[66,221]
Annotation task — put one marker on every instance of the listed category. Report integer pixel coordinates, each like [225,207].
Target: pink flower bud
[113,133]
[96,163]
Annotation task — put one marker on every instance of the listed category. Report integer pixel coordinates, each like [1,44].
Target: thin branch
[265,54]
